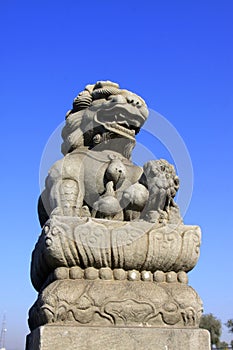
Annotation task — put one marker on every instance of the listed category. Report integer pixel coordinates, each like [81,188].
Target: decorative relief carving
[129,312]
[67,242]
[120,303]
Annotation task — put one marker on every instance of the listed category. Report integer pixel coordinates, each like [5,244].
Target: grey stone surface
[89,242]
[97,301]
[114,251]
[88,338]
[96,177]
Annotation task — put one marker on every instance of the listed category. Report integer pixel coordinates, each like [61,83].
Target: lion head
[103,113]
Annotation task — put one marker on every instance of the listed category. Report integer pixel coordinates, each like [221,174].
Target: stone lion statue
[113,251]
[96,177]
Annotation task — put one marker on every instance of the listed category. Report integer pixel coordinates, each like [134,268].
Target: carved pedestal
[92,283]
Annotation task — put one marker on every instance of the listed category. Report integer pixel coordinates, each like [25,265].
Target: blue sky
[178,55]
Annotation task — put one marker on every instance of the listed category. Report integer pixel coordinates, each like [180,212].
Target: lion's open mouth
[120,129]
[121,122]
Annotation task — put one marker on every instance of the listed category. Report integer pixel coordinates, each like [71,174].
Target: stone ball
[182,277]
[105,273]
[119,274]
[91,273]
[159,276]
[76,272]
[146,276]
[171,277]
[133,275]
[61,273]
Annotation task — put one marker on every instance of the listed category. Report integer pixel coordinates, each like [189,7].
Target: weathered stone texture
[94,338]
[113,303]
[111,263]
[141,245]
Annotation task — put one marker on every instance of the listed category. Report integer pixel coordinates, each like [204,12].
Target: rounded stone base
[140,245]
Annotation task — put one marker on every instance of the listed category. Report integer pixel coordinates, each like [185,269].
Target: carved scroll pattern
[163,249]
[133,245]
[82,303]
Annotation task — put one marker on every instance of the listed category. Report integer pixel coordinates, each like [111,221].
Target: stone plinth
[51,337]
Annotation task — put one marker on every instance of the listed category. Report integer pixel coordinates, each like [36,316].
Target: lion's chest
[89,169]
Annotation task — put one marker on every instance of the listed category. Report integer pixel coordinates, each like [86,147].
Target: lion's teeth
[114,125]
